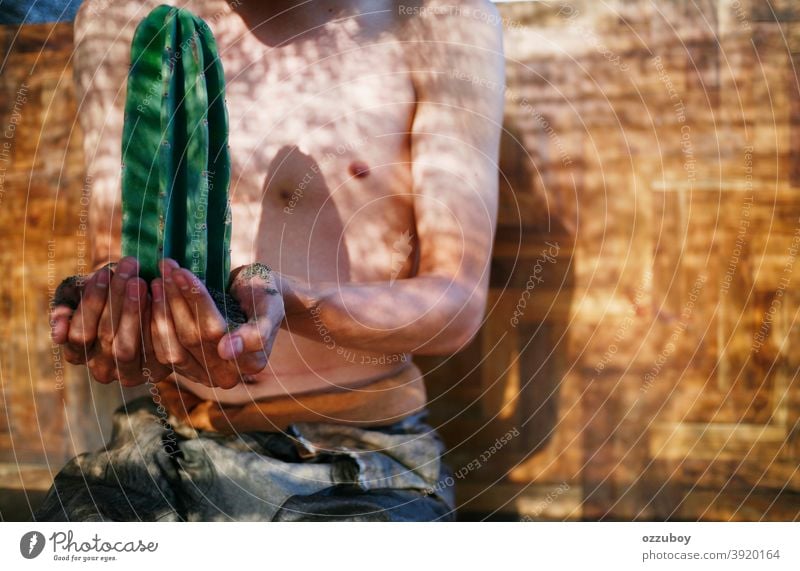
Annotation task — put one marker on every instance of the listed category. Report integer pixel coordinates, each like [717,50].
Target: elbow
[463,323]
[464,336]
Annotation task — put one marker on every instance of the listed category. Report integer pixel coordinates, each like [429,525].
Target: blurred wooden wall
[649,209]
[654,375]
[49,410]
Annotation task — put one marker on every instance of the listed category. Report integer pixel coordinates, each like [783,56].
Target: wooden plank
[703,505]
[715,441]
[25,477]
[735,473]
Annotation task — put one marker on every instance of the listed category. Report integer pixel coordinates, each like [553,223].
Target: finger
[68,292]
[252,363]
[83,325]
[128,337]
[265,310]
[112,313]
[168,348]
[103,369]
[255,343]
[59,323]
[209,320]
[183,316]
[166,265]
[150,364]
[165,339]
[74,356]
[248,338]
[66,299]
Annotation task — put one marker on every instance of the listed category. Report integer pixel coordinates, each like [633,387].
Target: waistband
[379,403]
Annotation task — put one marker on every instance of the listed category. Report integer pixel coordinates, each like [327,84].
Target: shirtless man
[364,138]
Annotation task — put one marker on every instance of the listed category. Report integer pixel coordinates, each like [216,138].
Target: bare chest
[343,102]
[319,136]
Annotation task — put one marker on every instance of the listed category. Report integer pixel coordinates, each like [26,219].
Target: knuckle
[215,331]
[226,382]
[73,358]
[127,381]
[254,365]
[162,356]
[176,358]
[266,331]
[125,353]
[159,334]
[79,353]
[158,371]
[103,373]
[189,339]
[79,336]
[105,334]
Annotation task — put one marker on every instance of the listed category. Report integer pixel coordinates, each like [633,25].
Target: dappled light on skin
[294,186]
[358,157]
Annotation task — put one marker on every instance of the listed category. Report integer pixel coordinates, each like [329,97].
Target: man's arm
[457,68]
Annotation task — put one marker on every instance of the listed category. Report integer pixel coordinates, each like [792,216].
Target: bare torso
[320,109]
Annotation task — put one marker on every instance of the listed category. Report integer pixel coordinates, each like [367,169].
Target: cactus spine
[175,161]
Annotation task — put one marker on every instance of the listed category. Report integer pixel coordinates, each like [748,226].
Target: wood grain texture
[50,410]
[657,144]
[650,372]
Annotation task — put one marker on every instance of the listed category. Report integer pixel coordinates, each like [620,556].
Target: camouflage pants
[157,469]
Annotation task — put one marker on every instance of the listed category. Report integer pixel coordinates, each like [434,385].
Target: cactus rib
[176,164]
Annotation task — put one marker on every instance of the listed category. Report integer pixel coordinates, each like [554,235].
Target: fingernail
[158,292]
[103,277]
[237,345]
[181,280]
[125,269]
[133,290]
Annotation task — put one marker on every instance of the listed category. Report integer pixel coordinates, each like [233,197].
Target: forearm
[423,315]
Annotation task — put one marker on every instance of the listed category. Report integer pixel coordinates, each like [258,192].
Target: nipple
[359,169]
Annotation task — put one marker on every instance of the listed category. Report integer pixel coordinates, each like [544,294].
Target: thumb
[253,288]
[255,336]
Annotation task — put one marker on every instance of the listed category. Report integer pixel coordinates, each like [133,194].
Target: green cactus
[175,160]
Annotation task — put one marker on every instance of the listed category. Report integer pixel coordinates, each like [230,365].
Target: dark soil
[68,292]
[229,308]
[257,270]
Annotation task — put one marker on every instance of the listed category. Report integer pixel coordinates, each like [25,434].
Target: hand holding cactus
[176,212]
[108,322]
[191,336]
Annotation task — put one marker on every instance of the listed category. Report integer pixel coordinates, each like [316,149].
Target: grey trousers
[156,468]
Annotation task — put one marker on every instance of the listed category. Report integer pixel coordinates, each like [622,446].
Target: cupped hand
[102,321]
[191,336]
